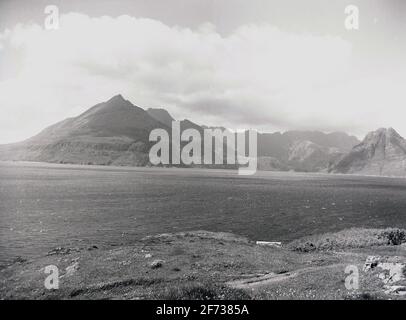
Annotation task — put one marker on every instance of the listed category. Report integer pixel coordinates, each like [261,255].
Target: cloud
[257,76]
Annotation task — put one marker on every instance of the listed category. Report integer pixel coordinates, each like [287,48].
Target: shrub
[394,237]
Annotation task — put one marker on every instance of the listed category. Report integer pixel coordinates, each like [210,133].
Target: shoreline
[233,172]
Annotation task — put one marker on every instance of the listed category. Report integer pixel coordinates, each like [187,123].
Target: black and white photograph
[201,150]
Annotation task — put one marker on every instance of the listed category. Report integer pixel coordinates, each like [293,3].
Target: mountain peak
[389,130]
[382,134]
[386,140]
[117,97]
[118,100]
[382,152]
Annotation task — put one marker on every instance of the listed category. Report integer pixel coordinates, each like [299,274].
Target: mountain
[161,115]
[382,152]
[112,132]
[116,132]
[302,150]
[187,124]
[309,156]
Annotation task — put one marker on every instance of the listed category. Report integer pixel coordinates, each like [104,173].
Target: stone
[156,264]
[394,272]
[396,290]
[371,262]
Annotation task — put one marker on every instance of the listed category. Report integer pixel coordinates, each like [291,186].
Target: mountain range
[116,132]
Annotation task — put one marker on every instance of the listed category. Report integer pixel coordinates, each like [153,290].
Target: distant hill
[116,132]
[382,152]
[309,156]
[278,144]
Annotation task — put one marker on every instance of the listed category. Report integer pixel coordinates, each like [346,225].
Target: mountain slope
[161,115]
[382,152]
[112,132]
[309,156]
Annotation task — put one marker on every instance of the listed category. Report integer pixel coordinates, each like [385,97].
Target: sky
[271,65]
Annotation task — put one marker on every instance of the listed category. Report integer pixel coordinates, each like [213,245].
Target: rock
[148,255]
[70,270]
[156,264]
[371,262]
[395,273]
[396,290]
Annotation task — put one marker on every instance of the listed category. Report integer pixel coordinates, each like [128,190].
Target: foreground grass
[204,265]
[205,291]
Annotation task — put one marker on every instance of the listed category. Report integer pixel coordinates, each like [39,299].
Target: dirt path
[271,278]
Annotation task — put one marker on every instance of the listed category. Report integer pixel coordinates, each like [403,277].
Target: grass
[350,238]
[203,291]
[363,296]
[204,266]
[116,285]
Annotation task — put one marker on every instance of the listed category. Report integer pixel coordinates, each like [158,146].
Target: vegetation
[394,237]
[203,291]
[215,266]
[351,238]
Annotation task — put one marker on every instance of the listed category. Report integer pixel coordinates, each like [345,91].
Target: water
[43,206]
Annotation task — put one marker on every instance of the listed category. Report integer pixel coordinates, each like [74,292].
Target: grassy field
[205,265]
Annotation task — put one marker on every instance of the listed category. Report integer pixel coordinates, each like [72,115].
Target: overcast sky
[274,65]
